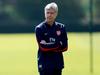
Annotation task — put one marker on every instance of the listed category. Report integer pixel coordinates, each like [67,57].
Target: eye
[47,12]
[51,13]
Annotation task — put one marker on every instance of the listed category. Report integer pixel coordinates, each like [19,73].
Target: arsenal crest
[58,32]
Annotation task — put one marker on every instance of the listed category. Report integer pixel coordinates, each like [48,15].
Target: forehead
[51,10]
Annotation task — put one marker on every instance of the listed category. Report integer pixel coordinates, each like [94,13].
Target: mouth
[49,18]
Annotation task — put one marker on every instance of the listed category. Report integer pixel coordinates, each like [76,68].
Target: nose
[49,14]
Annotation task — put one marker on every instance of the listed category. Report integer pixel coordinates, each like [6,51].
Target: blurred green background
[18,47]
[24,15]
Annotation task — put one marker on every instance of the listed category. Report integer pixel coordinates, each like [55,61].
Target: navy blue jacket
[52,41]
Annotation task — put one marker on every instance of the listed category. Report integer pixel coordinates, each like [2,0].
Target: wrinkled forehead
[50,10]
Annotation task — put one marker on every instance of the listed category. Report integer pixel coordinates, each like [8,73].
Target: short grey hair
[52,5]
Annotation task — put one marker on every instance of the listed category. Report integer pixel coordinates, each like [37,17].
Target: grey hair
[52,5]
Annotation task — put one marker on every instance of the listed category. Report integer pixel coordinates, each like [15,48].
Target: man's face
[50,15]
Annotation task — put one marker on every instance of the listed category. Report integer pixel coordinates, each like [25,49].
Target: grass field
[18,54]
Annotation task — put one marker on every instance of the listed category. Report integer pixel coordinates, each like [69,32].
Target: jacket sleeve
[45,46]
[63,41]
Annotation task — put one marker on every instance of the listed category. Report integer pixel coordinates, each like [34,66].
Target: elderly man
[52,41]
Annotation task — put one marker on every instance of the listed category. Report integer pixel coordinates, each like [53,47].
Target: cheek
[54,16]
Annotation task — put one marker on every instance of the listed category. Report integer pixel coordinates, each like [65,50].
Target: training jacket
[52,41]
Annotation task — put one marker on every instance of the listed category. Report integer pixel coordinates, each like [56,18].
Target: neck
[50,23]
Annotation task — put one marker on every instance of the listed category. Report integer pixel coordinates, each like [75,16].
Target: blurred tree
[97,7]
[97,12]
[28,13]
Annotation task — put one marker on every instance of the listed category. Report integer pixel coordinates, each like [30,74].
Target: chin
[50,20]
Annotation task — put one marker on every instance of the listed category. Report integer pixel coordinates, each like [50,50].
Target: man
[52,41]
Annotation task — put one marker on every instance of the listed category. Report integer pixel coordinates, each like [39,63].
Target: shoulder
[60,25]
[40,26]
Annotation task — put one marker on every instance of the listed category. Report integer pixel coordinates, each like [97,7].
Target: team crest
[58,32]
